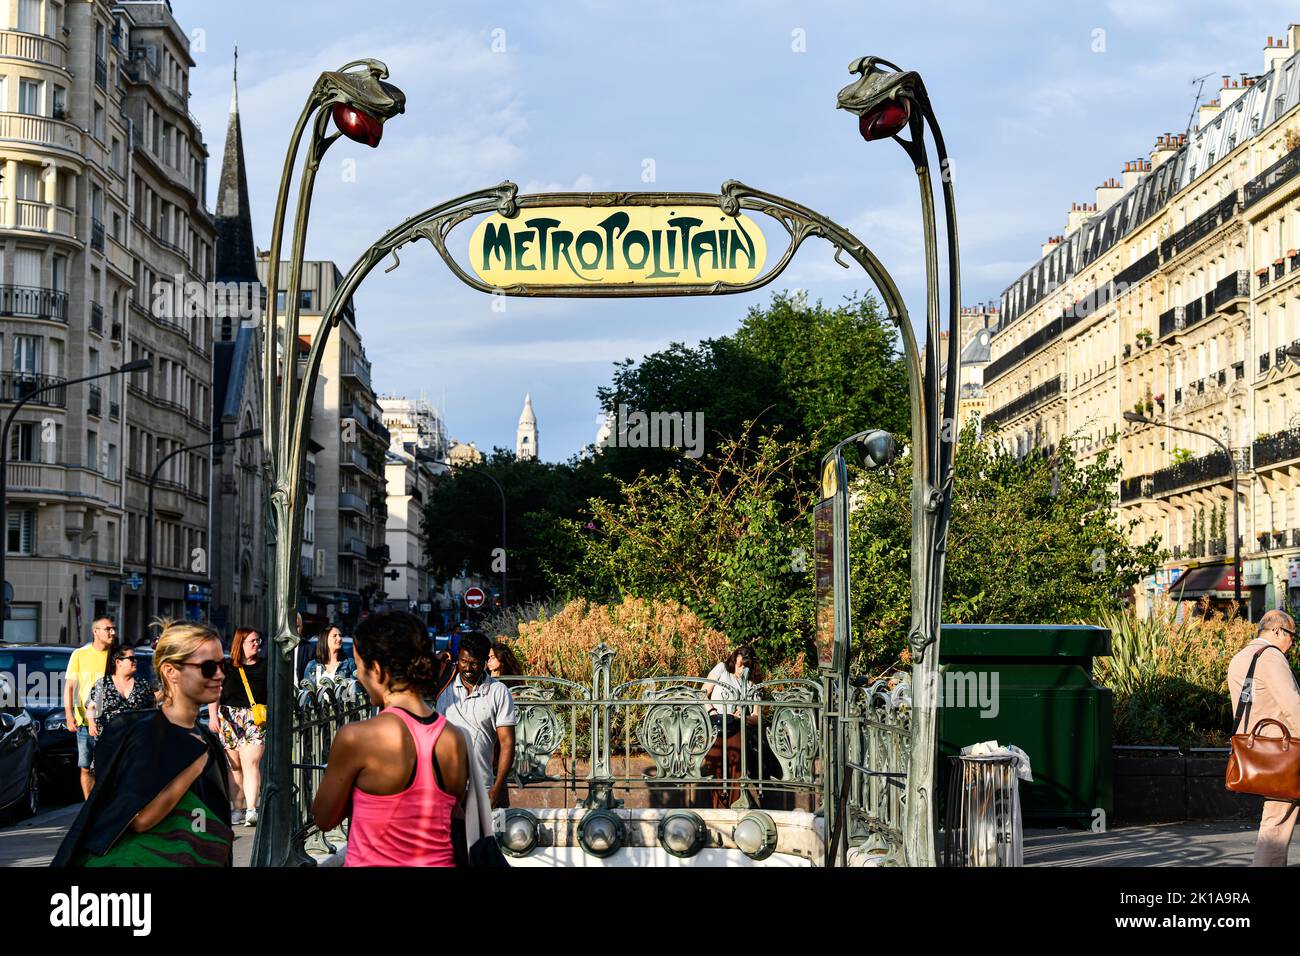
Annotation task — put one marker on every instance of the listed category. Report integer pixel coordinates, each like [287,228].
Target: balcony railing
[1219,546]
[358,369]
[349,501]
[1131,489]
[30,302]
[15,386]
[1213,467]
[1263,363]
[1270,179]
[377,552]
[1033,398]
[1199,228]
[40,129]
[1233,286]
[1171,321]
[101,73]
[1281,446]
[31,46]
[354,546]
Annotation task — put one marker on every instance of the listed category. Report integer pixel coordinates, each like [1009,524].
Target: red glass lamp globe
[356,125]
[885,120]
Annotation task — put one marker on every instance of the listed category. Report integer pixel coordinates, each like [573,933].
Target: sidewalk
[1208,843]
[34,842]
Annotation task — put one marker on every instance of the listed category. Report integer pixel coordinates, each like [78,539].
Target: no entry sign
[474,598]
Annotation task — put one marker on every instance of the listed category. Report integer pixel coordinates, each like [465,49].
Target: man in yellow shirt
[85,666]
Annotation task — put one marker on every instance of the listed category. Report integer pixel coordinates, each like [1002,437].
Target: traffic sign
[474,598]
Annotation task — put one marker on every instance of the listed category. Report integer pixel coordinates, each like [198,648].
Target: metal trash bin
[983,826]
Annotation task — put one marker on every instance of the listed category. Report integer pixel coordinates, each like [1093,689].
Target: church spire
[236,254]
[526,432]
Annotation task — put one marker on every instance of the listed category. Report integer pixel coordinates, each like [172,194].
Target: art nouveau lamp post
[358,101]
[890,101]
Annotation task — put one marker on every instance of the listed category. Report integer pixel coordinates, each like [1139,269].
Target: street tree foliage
[808,371]
[462,518]
[721,536]
[1031,540]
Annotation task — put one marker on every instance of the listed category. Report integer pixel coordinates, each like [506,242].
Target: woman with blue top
[330,663]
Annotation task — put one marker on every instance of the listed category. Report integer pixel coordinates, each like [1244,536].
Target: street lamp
[150,598]
[359,101]
[889,101]
[1137,419]
[139,365]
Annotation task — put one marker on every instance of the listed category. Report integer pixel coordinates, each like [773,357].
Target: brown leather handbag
[1262,765]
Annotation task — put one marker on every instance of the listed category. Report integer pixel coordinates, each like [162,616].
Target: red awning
[1212,580]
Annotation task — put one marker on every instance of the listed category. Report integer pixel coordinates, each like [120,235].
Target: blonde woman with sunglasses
[162,797]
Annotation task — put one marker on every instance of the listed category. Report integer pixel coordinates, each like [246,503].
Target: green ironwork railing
[319,710]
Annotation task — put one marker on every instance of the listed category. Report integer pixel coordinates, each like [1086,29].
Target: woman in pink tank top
[399,774]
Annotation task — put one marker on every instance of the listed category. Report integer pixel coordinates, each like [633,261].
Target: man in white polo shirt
[481,706]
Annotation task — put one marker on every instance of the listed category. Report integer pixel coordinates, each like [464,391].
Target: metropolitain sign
[634,245]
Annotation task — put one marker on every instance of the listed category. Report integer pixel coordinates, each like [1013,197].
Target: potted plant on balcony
[1180,456]
[1144,337]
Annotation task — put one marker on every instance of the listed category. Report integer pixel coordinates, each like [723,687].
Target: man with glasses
[86,665]
[1273,694]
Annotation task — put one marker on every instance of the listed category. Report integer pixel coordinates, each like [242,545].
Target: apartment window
[59,273]
[279,301]
[92,451]
[29,16]
[24,440]
[21,538]
[115,155]
[306,298]
[29,183]
[60,105]
[23,626]
[111,471]
[99,123]
[27,354]
[29,97]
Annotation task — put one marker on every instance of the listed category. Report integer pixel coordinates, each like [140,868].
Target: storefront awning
[1213,580]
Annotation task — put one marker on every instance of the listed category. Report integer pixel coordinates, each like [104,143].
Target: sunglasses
[209,669]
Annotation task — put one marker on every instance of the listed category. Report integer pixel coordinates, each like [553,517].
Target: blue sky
[1035,116]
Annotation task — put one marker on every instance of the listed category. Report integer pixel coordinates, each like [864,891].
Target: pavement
[34,843]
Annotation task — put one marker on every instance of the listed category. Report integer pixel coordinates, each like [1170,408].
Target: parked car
[37,673]
[20,778]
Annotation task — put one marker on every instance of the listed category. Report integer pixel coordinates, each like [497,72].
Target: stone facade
[1173,297]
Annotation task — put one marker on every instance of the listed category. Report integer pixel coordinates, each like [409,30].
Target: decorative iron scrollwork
[677,733]
[538,733]
[792,734]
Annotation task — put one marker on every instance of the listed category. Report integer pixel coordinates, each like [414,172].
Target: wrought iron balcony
[1138,271]
[1279,269]
[1193,312]
[1231,289]
[377,553]
[31,302]
[1032,399]
[1199,228]
[1263,363]
[1131,489]
[1279,539]
[1196,549]
[1270,179]
[1279,447]
[1171,321]
[1208,468]
[1279,356]
[1262,275]
[1219,546]
[15,386]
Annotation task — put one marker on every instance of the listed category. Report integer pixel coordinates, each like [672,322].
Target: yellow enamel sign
[617,245]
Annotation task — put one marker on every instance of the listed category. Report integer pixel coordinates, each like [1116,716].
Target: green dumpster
[1031,685]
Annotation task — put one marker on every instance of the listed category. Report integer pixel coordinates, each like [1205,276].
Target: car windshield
[31,676]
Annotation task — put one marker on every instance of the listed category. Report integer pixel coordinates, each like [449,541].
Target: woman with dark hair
[399,774]
[502,664]
[240,722]
[161,798]
[733,679]
[118,690]
[330,662]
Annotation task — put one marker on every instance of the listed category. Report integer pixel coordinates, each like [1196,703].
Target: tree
[718,537]
[1030,540]
[462,517]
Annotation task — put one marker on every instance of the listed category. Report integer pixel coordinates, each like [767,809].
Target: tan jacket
[1276,694]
